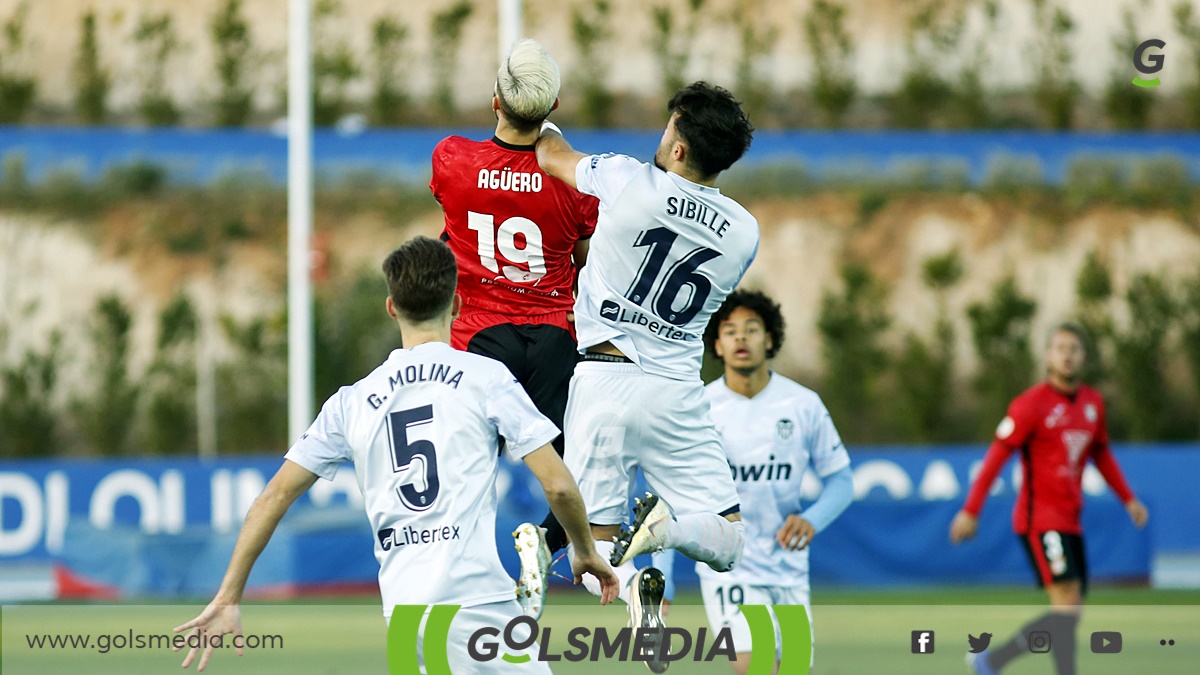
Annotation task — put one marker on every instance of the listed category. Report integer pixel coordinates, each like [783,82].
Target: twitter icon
[978,644]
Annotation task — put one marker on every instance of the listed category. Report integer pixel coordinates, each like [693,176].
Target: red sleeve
[436,162]
[997,456]
[589,210]
[1105,461]
[1012,433]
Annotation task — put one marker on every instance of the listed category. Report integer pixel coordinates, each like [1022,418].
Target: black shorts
[1056,556]
[542,358]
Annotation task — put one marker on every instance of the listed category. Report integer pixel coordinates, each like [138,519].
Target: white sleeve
[826,450]
[605,176]
[323,447]
[515,418]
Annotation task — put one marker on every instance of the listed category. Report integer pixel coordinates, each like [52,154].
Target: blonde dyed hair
[527,84]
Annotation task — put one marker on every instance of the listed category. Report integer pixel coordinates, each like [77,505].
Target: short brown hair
[421,278]
[1073,328]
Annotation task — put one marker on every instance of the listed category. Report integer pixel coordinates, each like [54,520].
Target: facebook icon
[922,642]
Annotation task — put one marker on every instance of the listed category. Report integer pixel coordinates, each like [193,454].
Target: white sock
[624,572]
[708,538]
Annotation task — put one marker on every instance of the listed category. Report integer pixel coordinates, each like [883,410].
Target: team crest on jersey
[785,428]
[1056,415]
[1089,411]
[1076,442]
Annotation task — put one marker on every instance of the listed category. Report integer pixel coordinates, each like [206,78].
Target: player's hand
[213,621]
[592,563]
[963,527]
[796,533]
[1138,513]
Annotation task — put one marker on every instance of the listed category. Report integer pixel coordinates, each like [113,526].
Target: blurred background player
[1057,425]
[772,429]
[518,236]
[668,248]
[423,431]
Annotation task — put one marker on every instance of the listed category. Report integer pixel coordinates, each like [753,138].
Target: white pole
[510,28]
[300,206]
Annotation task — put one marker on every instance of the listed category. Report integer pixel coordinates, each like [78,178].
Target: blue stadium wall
[131,528]
[202,155]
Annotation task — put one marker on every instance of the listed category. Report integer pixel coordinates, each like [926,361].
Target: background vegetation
[883,383]
[367,64]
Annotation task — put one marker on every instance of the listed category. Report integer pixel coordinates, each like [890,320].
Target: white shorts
[723,601]
[470,619]
[619,419]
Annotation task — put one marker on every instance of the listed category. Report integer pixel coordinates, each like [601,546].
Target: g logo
[1148,65]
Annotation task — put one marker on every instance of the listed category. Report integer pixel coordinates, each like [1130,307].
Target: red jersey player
[518,236]
[1056,426]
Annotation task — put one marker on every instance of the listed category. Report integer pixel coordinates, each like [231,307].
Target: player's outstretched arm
[555,155]
[223,615]
[562,493]
[966,521]
[1106,462]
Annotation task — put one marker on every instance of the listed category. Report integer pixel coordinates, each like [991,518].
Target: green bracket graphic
[437,629]
[797,639]
[403,630]
[1146,84]
[762,639]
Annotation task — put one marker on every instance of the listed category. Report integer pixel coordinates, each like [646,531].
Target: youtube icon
[1106,642]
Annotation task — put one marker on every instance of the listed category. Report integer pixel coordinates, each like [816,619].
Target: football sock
[624,572]
[556,536]
[708,538]
[1064,636]
[1061,628]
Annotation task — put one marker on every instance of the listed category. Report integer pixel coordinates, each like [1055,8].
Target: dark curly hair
[755,301]
[712,124]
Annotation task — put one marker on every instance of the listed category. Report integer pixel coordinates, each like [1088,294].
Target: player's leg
[464,637]
[552,355]
[694,508]
[723,602]
[600,427]
[505,343]
[794,596]
[1060,569]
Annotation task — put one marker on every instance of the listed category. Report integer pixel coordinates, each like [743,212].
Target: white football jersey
[423,431]
[770,441]
[665,254]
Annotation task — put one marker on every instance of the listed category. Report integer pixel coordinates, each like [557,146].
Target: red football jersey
[1056,434]
[512,228]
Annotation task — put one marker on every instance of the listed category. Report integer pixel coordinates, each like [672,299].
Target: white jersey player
[423,431]
[667,249]
[773,430]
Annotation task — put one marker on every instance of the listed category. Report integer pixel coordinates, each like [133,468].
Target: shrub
[831,49]
[1056,90]
[107,416]
[17,86]
[389,103]
[447,38]
[157,43]
[1000,331]
[850,325]
[591,33]
[233,49]
[92,79]
[1127,106]
[671,42]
